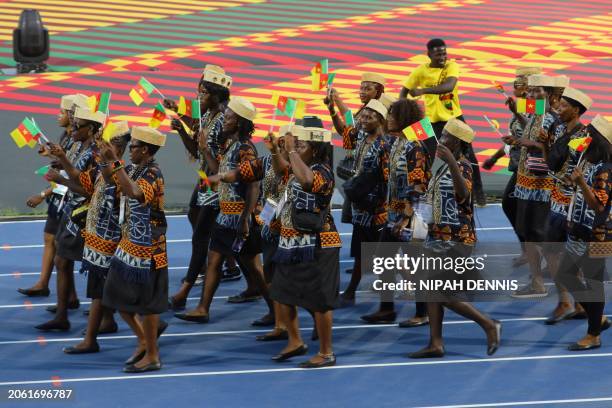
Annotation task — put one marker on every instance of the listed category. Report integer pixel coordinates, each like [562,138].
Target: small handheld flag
[537,106]
[159,114]
[580,144]
[99,102]
[109,129]
[320,77]
[43,170]
[190,108]
[348,118]
[500,88]
[143,89]
[420,130]
[26,133]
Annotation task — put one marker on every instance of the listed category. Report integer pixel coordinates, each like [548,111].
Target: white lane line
[523,403]
[230,332]
[285,370]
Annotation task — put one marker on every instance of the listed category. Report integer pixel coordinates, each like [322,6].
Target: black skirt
[144,299]
[363,234]
[95,285]
[52,225]
[532,220]
[311,285]
[68,246]
[222,240]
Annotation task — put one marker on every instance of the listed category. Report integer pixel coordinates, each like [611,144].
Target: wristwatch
[117,164]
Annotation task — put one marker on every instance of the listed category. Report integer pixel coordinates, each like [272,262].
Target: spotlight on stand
[30,43]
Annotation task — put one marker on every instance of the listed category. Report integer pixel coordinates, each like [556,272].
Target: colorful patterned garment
[143,235]
[371,156]
[586,227]
[102,230]
[295,246]
[272,187]
[562,160]
[452,221]
[54,201]
[232,195]
[214,126]
[409,174]
[514,151]
[84,161]
[531,186]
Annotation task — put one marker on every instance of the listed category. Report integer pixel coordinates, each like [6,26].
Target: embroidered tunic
[409,174]
[84,160]
[214,126]
[232,196]
[586,225]
[295,246]
[371,156]
[143,235]
[529,185]
[562,160]
[272,187]
[102,231]
[452,221]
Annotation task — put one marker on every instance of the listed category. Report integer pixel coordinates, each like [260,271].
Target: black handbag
[308,222]
[345,167]
[359,187]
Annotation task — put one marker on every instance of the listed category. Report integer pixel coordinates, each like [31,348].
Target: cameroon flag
[189,108]
[159,114]
[580,144]
[420,130]
[537,106]
[99,102]
[289,107]
[142,90]
[26,134]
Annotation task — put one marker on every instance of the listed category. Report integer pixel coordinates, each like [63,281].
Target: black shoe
[149,367]
[380,317]
[349,271]
[427,353]
[267,320]
[75,350]
[231,274]
[190,318]
[481,198]
[556,319]
[243,297]
[53,325]
[71,306]
[113,328]
[328,361]
[579,347]
[412,323]
[176,306]
[578,316]
[134,359]
[34,292]
[300,351]
[282,335]
[161,328]
[492,348]
[86,312]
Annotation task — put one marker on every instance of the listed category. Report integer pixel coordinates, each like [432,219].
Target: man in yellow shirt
[437,82]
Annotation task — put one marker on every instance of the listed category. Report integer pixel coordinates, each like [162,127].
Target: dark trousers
[589,294]
[202,224]
[509,204]
[431,146]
